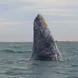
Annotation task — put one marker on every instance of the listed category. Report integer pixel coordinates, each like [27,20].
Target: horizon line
[32,41]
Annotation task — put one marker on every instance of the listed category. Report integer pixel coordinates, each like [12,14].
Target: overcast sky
[17,16]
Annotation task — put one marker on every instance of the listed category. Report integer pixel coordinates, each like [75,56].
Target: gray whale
[44,46]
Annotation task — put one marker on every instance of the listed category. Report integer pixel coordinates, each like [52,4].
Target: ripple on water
[15,51]
[72,77]
[17,71]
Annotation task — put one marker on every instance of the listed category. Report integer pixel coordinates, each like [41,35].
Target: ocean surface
[15,62]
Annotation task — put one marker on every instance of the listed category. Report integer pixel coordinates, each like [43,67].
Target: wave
[17,71]
[7,50]
[15,46]
[72,77]
[15,51]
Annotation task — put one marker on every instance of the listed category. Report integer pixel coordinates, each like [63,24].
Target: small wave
[15,46]
[17,71]
[7,50]
[74,65]
[27,51]
[15,51]
[72,77]
[6,61]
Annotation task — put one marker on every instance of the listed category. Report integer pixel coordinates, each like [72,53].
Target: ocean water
[15,62]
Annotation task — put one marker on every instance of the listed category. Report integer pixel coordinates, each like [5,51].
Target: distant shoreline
[66,41]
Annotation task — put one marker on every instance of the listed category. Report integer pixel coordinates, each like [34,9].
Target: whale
[44,45]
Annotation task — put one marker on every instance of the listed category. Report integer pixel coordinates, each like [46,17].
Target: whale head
[44,46]
[41,20]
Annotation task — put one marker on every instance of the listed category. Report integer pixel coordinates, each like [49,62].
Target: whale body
[44,46]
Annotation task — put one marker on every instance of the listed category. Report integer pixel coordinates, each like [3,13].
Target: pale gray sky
[17,16]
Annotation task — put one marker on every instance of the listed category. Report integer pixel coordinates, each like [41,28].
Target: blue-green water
[15,62]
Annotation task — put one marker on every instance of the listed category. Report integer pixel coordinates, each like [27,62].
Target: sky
[17,17]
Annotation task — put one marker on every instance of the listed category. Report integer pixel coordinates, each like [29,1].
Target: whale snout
[41,21]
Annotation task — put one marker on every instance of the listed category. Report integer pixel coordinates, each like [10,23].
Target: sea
[16,62]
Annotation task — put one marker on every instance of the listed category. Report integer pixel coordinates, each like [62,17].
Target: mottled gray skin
[44,46]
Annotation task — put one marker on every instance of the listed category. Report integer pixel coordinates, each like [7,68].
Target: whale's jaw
[44,46]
